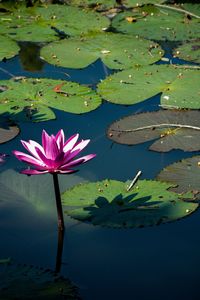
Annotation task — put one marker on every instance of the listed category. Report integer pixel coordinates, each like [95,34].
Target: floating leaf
[117,51]
[185,175]
[96,4]
[179,86]
[189,51]
[25,282]
[107,203]
[133,3]
[156,23]
[8,48]
[170,129]
[48,23]
[8,130]
[29,98]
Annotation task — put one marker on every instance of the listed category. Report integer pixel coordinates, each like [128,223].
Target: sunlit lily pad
[189,51]
[117,51]
[50,22]
[96,4]
[135,3]
[8,48]
[107,203]
[26,282]
[179,87]
[168,129]
[157,24]
[29,99]
[8,130]
[185,175]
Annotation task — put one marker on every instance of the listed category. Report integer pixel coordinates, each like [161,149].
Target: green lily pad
[24,282]
[96,4]
[8,48]
[50,22]
[136,3]
[189,51]
[8,130]
[108,203]
[185,175]
[29,99]
[156,23]
[117,51]
[179,87]
[168,129]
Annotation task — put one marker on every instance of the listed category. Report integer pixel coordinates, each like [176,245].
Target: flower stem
[61,225]
[59,250]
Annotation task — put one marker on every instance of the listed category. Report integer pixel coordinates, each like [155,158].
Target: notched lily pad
[8,48]
[50,22]
[156,23]
[26,282]
[117,51]
[189,51]
[168,130]
[8,130]
[29,99]
[185,175]
[108,203]
[179,86]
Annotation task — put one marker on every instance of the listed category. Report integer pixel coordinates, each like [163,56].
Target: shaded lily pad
[29,99]
[117,51]
[185,175]
[8,130]
[107,203]
[189,51]
[169,129]
[156,23]
[8,48]
[179,86]
[25,282]
[96,4]
[50,22]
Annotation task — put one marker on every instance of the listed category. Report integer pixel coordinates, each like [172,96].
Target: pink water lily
[55,155]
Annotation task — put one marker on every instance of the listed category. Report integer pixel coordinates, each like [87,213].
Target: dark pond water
[160,262]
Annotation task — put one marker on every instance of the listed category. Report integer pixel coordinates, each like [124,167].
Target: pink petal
[30,146]
[80,146]
[28,159]
[69,144]
[66,171]
[50,146]
[33,172]
[75,151]
[78,161]
[60,139]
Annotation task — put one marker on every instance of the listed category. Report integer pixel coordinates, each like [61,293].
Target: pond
[103,262]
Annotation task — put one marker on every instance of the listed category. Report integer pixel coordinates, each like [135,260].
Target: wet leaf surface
[8,48]
[8,130]
[117,51]
[107,203]
[179,87]
[26,282]
[189,51]
[185,175]
[167,129]
[29,99]
[157,24]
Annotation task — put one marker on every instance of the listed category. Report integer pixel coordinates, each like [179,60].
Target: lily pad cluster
[167,129]
[31,99]
[49,23]
[109,203]
[117,51]
[18,281]
[179,86]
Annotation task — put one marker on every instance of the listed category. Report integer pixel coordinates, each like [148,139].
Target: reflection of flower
[55,155]
[2,156]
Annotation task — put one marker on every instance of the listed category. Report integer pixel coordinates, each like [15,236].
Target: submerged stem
[61,225]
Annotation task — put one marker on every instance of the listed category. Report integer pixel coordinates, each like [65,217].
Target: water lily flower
[55,156]
[2,158]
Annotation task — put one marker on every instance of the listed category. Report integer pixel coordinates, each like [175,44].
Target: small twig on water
[133,182]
